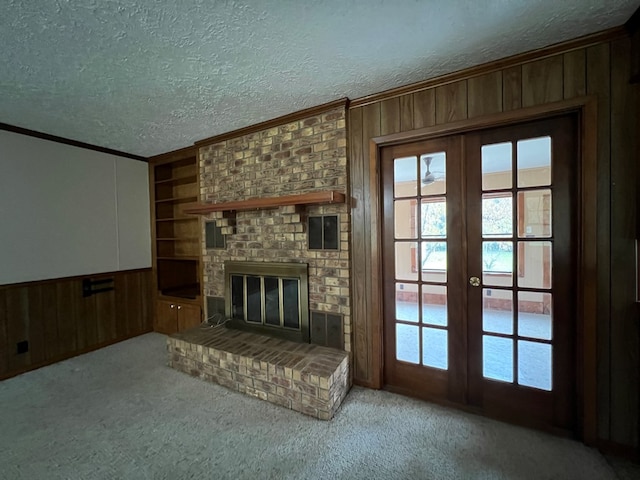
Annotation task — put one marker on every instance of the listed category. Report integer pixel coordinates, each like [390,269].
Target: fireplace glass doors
[269,298]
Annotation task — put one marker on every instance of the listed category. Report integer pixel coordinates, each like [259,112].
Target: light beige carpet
[120,413]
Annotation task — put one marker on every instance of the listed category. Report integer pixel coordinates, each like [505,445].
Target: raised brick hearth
[307,378]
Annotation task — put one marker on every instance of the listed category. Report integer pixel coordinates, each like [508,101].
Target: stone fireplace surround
[303,156]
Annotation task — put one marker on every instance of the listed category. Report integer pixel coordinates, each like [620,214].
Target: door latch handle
[474,281]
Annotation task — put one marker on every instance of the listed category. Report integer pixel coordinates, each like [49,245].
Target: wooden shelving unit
[176,241]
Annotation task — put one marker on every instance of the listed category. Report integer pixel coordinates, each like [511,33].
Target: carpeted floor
[120,413]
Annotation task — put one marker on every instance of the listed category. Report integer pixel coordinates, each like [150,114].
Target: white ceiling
[149,76]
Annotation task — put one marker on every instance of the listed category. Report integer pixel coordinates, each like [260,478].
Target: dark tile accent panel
[213,236]
[334,331]
[326,330]
[318,328]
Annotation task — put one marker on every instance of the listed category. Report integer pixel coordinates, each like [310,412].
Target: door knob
[474,281]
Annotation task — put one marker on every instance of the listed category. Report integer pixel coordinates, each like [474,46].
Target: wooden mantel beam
[313,198]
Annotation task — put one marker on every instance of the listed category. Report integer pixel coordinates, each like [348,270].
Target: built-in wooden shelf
[314,198]
[186,199]
[178,180]
[175,219]
[179,258]
[177,239]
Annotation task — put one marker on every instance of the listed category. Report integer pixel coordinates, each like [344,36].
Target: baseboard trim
[615,449]
[365,384]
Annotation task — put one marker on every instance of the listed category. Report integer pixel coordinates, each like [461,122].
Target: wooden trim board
[312,198]
[68,141]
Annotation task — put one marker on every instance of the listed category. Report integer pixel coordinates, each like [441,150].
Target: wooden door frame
[586,335]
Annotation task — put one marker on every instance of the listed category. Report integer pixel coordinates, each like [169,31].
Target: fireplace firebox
[268,298]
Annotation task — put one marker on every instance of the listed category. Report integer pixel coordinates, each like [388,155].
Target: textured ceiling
[149,76]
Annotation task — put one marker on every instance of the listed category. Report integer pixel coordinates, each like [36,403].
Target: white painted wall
[67,211]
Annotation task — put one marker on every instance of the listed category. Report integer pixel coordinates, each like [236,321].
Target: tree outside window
[497,221]
[433,226]
[497,256]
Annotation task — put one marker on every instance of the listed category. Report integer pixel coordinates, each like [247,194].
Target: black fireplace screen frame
[283,272]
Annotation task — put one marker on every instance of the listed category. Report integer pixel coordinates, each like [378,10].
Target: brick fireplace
[303,156]
[308,155]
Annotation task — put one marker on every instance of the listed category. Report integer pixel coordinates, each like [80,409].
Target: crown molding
[68,141]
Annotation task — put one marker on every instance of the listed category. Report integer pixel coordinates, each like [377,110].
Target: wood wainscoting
[58,322]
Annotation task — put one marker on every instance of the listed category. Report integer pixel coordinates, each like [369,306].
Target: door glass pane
[534,364]
[406,260]
[534,264]
[405,177]
[497,216]
[434,305]
[534,162]
[434,218]
[497,358]
[407,302]
[433,173]
[496,166]
[405,217]
[434,261]
[534,315]
[407,343]
[534,213]
[497,311]
[435,348]
[497,264]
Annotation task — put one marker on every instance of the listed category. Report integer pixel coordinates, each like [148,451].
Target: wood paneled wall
[633,27]
[601,70]
[58,322]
